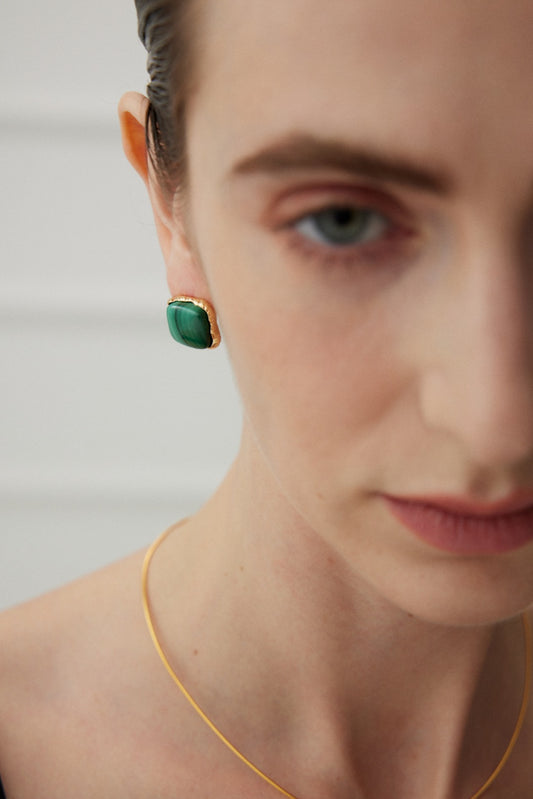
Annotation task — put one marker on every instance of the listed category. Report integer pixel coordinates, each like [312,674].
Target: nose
[479,385]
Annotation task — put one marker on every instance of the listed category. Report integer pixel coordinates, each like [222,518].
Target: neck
[396,705]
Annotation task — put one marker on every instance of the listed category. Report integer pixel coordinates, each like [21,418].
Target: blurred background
[109,430]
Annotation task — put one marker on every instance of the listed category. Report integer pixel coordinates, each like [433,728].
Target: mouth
[465,527]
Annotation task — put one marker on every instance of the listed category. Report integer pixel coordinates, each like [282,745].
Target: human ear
[132,110]
[184,274]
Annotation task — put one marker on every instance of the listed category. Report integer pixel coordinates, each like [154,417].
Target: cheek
[317,375]
[321,413]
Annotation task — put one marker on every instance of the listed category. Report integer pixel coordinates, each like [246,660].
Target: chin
[464,594]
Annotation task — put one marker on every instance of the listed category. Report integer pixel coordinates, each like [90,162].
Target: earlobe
[132,110]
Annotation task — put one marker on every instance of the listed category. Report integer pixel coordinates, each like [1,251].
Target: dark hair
[165,29]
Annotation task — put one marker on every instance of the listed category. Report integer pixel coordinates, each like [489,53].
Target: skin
[402,364]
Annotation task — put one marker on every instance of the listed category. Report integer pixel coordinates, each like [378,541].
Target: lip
[463,526]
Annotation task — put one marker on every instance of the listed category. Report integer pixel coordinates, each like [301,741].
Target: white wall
[109,430]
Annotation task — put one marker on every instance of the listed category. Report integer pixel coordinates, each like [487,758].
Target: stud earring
[193,322]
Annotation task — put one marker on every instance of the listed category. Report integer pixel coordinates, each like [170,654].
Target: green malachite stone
[189,324]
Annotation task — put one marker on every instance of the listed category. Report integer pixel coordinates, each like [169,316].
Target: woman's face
[361,200]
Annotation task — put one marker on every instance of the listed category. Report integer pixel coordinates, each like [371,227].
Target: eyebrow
[299,152]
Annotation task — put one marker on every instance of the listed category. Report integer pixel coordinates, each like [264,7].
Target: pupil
[343,216]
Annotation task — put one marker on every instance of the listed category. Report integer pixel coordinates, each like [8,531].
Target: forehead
[416,74]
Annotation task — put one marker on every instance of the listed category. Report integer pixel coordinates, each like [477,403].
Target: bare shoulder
[67,623]
[68,663]
[86,708]
[47,620]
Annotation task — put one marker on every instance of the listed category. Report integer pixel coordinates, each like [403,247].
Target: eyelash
[387,245]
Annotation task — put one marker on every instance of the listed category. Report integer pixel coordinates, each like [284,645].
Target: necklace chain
[528,646]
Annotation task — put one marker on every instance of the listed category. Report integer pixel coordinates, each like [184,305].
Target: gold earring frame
[210,312]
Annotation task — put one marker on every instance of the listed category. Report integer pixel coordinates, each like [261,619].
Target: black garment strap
[2,794]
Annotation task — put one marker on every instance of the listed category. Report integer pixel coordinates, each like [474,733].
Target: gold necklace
[265,777]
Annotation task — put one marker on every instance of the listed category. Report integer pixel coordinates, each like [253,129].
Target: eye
[342,226]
